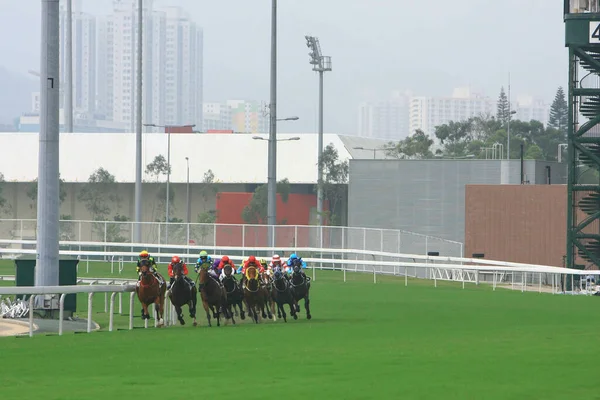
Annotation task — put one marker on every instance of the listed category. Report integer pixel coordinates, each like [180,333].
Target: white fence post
[31,298]
[112,311]
[89,321]
[131,310]
[61,313]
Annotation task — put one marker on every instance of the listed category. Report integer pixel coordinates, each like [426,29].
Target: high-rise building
[83,56]
[529,108]
[248,116]
[386,119]
[183,68]
[216,116]
[428,112]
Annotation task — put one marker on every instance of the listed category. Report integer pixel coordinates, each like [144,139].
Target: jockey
[215,266]
[265,265]
[252,261]
[205,261]
[241,267]
[275,262]
[174,261]
[290,262]
[226,261]
[144,255]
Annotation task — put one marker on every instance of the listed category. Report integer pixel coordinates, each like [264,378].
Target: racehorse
[255,294]
[269,301]
[301,287]
[182,293]
[213,296]
[282,293]
[235,293]
[150,290]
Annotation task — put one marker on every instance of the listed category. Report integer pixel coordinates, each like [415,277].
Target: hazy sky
[426,46]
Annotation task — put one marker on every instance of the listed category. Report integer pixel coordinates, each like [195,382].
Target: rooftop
[233,158]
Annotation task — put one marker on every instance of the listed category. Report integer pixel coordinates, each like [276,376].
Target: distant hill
[15,94]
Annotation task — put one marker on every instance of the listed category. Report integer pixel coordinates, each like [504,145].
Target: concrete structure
[388,119]
[518,223]
[428,196]
[428,112]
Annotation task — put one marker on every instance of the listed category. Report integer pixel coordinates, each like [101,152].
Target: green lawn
[365,341]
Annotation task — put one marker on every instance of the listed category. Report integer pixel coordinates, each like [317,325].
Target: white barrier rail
[270,250]
[35,291]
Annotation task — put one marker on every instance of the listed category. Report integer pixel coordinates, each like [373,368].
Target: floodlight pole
[137,231]
[320,64]
[272,157]
[69,69]
[47,257]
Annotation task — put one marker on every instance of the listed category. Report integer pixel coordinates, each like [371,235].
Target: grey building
[428,196]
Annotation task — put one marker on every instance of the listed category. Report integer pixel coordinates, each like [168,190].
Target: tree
[158,167]
[417,146]
[502,107]
[32,192]
[455,137]
[559,113]
[97,194]
[334,183]
[2,199]
[255,211]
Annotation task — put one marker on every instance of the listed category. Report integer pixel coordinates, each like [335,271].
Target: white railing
[160,234]
[361,260]
[35,291]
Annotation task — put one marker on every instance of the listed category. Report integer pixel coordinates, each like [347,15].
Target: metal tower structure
[582,24]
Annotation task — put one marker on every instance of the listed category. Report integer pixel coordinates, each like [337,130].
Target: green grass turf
[364,341]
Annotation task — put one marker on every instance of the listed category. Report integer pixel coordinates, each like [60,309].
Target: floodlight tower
[582,24]
[321,64]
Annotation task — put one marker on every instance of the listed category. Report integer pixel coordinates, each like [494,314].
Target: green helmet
[203,253]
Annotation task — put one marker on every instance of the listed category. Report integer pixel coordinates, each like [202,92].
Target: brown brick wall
[518,223]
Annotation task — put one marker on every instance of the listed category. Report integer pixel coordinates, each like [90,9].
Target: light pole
[375,150]
[69,70]
[272,163]
[321,64]
[188,208]
[168,129]
[137,232]
[47,257]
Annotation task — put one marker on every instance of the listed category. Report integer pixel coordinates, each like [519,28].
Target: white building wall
[387,119]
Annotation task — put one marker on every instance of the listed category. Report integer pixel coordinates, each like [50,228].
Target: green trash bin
[67,275]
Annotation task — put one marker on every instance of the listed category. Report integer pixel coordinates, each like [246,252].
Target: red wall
[296,211]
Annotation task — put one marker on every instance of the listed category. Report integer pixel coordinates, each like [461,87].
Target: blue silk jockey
[205,261]
[290,263]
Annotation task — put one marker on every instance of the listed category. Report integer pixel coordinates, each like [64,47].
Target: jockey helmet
[203,255]
[275,259]
[225,259]
[144,254]
[251,259]
[293,256]
[263,261]
[175,260]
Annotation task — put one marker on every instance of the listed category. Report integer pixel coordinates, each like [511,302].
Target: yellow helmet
[263,261]
[144,254]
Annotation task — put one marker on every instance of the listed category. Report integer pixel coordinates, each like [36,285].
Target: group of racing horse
[262,288]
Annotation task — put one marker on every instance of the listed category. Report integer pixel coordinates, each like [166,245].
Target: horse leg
[307,306]
[240,305]
[207,309]
[179,311]
[158,310]
[192,305]
[292,305]
[145,314]
[272,310]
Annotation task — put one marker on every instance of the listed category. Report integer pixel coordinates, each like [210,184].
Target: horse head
[252,277]
[228,271]
[178,271]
